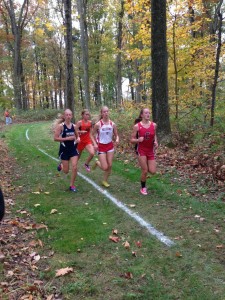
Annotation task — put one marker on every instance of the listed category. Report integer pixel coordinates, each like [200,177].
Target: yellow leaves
[39,32]
[49,26]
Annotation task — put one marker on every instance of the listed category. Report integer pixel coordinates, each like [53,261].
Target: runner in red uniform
[144,135]
[104,131]
[86,139]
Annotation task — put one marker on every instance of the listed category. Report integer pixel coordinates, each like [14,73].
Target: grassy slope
[78,233]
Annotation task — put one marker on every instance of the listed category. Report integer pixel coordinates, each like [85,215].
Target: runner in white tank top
[104,131]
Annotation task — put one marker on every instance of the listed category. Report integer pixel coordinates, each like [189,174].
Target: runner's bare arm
[155,138]
[134,138]
[115,132]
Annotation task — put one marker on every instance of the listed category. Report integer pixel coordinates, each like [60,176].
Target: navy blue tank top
[66,133]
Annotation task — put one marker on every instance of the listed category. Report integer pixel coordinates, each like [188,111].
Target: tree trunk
[216,74]
[119,95]
[17,84]
[159,57]
[20,97]
[60,88]
[69,92]
[81,7]
[175,71]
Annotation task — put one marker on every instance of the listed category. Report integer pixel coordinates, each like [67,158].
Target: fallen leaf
[139,244]
[115,231]
[114,239]
[53,211]
[178,254]
[128,275]
[47,193]
[37,257]
[132,205]
[36,205]
[40,226]
[134,254]
[63,271]
[126,245]
[219,246]
[40,243]
[178,237]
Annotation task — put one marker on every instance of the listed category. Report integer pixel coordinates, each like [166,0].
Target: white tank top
[105,133]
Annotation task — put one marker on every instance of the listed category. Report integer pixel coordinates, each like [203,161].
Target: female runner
[104,131]
[86,139]
[144,135]
[66,133]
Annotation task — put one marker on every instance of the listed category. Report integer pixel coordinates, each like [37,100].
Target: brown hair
[139,118]
[84,111]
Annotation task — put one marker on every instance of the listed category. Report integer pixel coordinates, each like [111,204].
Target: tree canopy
[111,44]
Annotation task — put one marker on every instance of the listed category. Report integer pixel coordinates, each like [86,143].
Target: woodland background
[89,53]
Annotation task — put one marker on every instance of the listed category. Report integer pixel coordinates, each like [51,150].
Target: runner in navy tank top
[144,136]
[66,133]
[104,131]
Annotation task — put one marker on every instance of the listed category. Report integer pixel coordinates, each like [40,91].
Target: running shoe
[143,191]
[105,184]
[87,167]
[59,168]
[73,188]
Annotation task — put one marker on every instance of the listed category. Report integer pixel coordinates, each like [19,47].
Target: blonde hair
[60,119]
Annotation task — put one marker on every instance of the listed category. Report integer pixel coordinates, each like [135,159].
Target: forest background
[168,56]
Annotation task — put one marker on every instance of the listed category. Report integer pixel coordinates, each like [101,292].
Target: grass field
[78,233]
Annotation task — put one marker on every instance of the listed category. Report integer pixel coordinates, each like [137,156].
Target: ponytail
[139,117]
[60,119]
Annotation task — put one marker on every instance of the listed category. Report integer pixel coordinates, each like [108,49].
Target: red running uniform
[85,138]
[146,148]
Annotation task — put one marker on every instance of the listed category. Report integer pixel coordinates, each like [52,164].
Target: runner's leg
[109,157]
[73,161]
[91,151]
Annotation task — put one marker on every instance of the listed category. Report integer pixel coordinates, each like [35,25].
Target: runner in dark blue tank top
[66,133]
[67,148]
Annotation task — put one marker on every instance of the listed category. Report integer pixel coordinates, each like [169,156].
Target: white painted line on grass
[159,235]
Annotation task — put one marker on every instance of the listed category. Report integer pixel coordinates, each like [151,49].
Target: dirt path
[19,246]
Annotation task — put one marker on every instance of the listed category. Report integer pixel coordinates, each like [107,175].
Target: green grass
[79,232]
